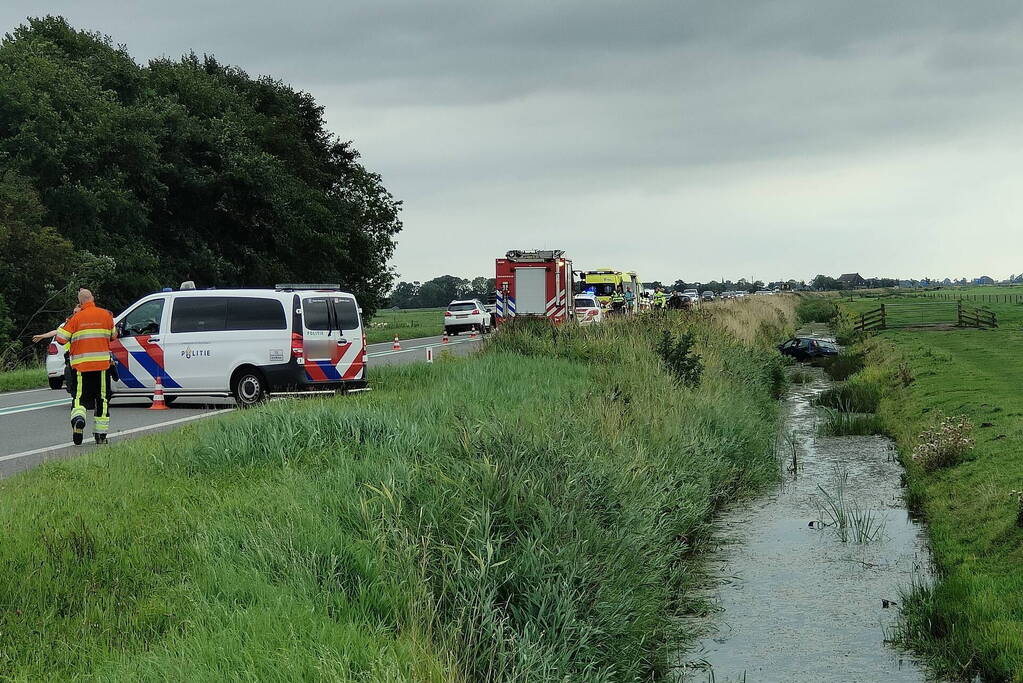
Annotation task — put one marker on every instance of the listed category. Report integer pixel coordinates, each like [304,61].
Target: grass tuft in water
[850,522]
[842,423]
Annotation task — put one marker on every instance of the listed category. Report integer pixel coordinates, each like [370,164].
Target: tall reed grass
[536,512]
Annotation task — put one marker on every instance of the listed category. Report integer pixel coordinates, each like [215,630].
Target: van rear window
[347,314]
[464,306]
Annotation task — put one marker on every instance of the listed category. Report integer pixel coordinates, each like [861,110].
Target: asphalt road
[34,424]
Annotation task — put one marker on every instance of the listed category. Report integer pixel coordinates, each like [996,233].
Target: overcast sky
[680,139]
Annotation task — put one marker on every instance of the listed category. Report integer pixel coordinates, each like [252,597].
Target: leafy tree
[823,282]
[182,169]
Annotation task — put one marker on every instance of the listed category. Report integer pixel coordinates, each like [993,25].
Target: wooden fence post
[884,322]
[959,313]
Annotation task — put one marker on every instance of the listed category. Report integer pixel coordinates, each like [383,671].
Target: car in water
[587,309]
[467,315]
[808,348]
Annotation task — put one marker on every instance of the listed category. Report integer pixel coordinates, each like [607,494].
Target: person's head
[84,296]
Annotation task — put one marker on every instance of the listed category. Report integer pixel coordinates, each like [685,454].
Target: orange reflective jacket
[89,331]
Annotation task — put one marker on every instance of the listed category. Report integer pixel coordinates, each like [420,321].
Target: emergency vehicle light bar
[539,255]
[293,287]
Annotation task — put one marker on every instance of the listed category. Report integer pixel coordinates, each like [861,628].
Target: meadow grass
[535,512]
[23,378]
[971,620]
[406,323]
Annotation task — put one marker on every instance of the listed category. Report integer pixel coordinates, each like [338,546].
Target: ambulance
[248,344]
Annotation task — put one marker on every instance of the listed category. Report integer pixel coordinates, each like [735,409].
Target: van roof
[264,291]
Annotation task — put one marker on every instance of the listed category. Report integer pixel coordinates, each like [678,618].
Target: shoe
[77,427]
[100,438]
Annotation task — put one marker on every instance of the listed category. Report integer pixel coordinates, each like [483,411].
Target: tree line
[127,178]
[440,291]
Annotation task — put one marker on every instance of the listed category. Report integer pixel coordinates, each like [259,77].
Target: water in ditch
[793,601]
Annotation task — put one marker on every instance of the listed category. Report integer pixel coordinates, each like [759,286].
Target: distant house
[983,280]
[852,281]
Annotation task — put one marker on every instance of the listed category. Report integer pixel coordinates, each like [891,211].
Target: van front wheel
[249,387]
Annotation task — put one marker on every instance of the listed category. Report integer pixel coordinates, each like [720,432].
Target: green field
[406,323]
[23,378]
[446,526]
[972,620]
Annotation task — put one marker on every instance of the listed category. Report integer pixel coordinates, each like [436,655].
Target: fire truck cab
[534,283]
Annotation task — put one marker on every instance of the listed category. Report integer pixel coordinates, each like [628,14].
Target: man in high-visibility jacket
[90,332]
[660,299]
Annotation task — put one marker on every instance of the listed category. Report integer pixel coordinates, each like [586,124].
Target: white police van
[245,343]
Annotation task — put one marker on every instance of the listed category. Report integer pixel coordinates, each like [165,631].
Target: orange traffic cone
[444,339]
[158,403]
[472,335]
[396,346]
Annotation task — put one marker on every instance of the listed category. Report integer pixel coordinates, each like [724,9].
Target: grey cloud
[507,123]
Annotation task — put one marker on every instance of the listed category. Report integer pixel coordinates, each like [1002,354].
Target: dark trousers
[92,392]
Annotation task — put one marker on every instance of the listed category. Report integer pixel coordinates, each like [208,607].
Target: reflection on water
[795,603]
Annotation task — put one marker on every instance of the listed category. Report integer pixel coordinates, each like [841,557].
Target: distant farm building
[852,281]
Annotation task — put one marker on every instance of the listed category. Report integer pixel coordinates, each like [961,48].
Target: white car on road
[587,309]
[466,315]
[55,364]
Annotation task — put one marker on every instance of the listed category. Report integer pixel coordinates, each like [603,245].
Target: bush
[944,444]
[851,398]
[816,310]
[843,366]
[678,357]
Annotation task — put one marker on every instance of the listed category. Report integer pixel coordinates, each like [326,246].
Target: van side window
[347,314]
[314,312]
[145,319]
[199,314]
[250,313]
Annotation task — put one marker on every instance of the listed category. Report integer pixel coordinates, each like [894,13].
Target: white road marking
[24,391]
[114,435]
[34,406]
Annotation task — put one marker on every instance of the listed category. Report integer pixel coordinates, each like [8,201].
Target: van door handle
[342,341]
[154,339]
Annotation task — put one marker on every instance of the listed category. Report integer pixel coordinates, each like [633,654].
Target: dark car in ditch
[808,348]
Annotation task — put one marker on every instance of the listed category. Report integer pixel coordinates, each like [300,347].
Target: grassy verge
[406,323]
[971,621]
[23,378]
[533,513]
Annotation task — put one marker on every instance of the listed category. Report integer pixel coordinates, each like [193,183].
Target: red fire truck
[534,283]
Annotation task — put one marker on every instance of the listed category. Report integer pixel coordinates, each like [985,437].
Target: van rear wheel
[249,387]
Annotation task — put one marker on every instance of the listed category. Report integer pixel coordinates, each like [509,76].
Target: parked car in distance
[764,292]
[808,348]
[708,295]
[587,309]
[463,316]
